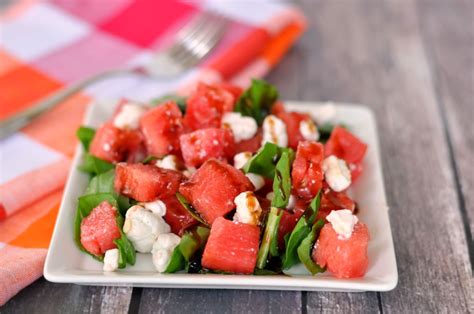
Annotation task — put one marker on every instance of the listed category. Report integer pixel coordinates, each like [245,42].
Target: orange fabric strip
[279,45]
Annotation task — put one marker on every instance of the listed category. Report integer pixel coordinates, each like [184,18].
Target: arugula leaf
[270,233]
[282,182]
[190,243]
[301,230]
[306,246]
[179,100]
[85,136]
[190,210]
[257,101]
[264,162]
[94,165]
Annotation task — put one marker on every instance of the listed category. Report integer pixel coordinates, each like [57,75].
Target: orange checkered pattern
[46,45]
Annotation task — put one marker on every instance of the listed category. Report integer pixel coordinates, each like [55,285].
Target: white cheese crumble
[337,173]
[308,130]
[129,116]
[342,222]
[257,180]
[111,260]
[274,131]
[324,114]
[168,162]
[156,207]
[291,202]
[270,196]
[248,208]
[189,171]
[243,128]
[162,250]
[241,159]
[142,227]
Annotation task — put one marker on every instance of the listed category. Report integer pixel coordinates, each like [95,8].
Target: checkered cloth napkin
[45,46]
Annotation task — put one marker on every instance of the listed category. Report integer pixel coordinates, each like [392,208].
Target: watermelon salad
[224,181]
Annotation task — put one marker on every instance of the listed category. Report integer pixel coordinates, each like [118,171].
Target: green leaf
[179,100]
[104,183]
[149,159]
[191,242]
[301,230]
[325,131]
[264,162]
[127,254]
[282,182]
[94,165]
[257,101]
[306,246]
[85,136]
[190,209]
[271,232]
[85,205]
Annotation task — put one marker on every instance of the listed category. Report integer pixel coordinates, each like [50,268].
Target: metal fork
[192,43]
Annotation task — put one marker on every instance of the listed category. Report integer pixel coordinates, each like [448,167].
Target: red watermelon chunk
[251,145]
[213,187]
[331,200]
[177,216]
[292,121]
[307,175]
[204,109]
[344,258]
[201,145]
[162,127]
[113,144]
[231,247]
[99,229]
[146,183]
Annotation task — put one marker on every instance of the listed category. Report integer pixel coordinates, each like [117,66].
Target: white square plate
[66,263]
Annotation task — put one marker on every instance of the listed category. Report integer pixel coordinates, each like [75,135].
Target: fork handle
[19,120]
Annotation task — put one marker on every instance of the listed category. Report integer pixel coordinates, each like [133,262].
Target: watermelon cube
[177,216]
[231,247]
[113,144]
[204,109]
[146,183]
[213,187]
[161,127]
[201,145]
[99,229]
[292,121]
[344,258]
[307,175]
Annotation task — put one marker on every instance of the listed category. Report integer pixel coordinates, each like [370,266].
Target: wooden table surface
[412,62]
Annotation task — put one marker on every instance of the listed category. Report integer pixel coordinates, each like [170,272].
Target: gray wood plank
[219,301]
[371,52]
[47,297]
[448,32]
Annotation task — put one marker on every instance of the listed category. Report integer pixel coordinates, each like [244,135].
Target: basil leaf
[282,182]
[104,183]
[190,243]
[270,233]
[94,165]
[325,131]
[301,230]
[257,101]
[149,159]
[190,209]
[85,136]
[179,100]
[264,162]
[306,246]
[127,254]
[85,205]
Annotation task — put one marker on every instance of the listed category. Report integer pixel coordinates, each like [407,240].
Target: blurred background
[410,61]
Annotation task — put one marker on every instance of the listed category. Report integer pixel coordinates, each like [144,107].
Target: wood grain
[47,297]
[372,52]
[448,32]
